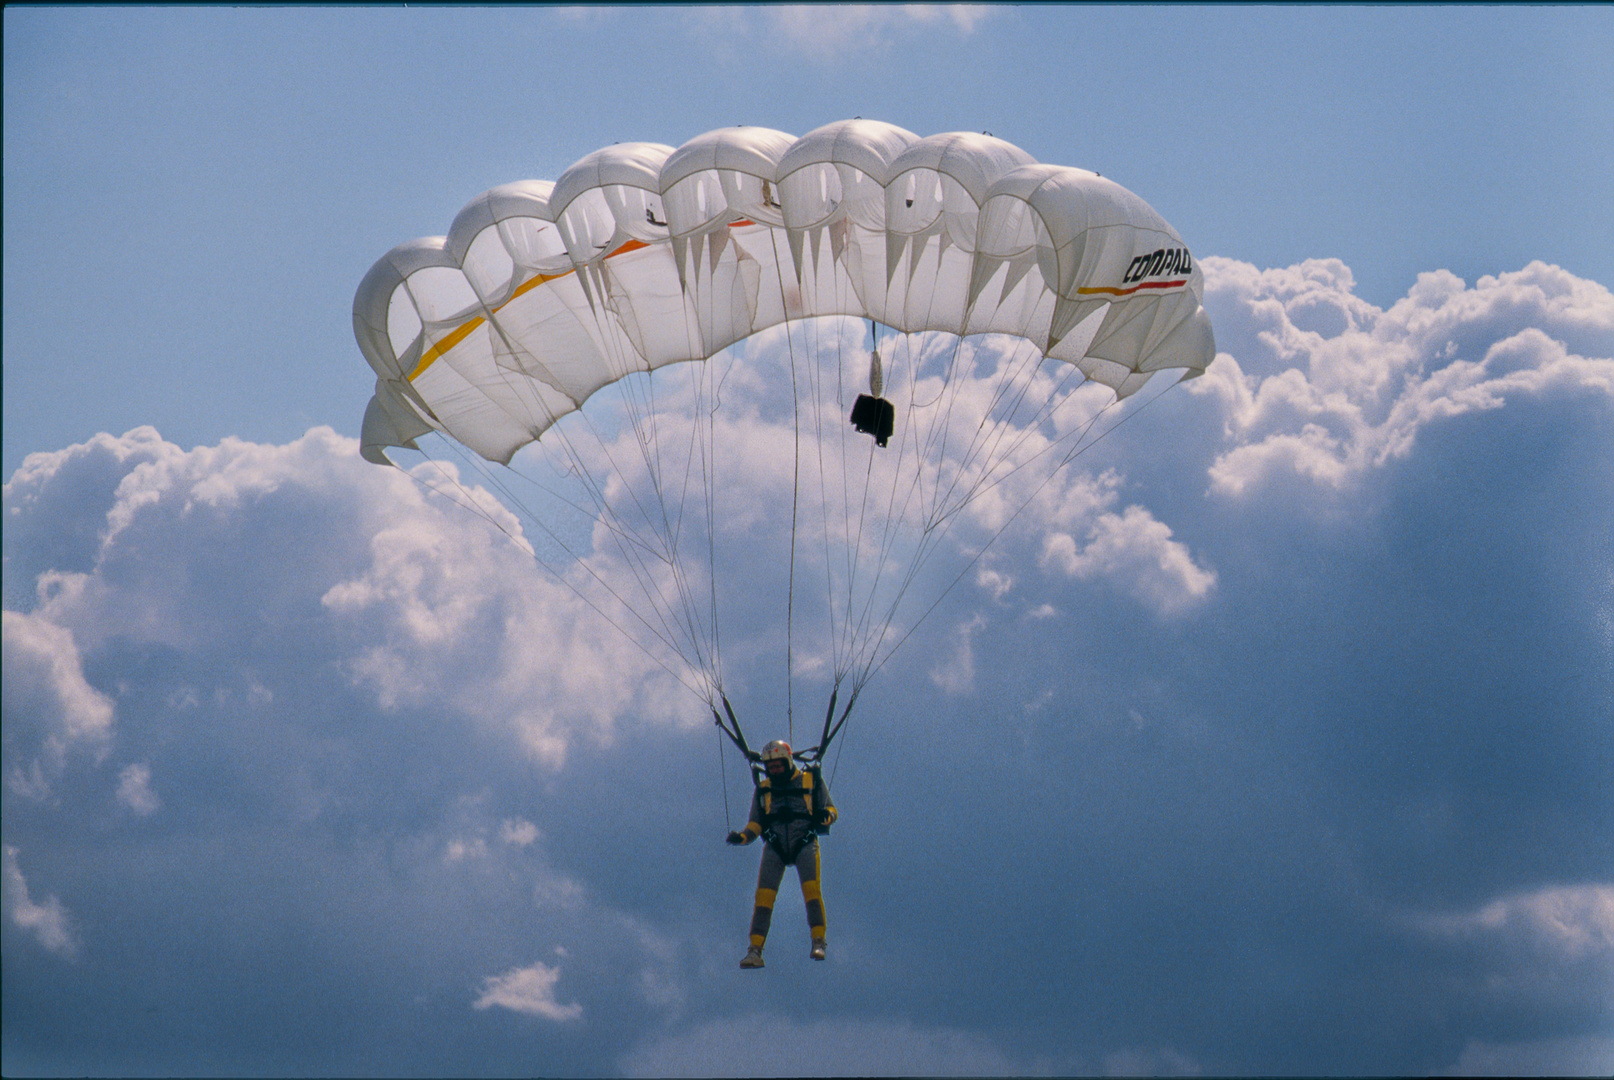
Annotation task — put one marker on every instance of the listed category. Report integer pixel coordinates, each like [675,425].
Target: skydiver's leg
[769,875]
[808,868]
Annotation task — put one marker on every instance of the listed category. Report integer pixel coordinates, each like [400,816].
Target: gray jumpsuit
[782,812]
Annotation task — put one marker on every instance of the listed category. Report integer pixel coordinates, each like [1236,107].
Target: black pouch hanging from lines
[874,416]
[871,413]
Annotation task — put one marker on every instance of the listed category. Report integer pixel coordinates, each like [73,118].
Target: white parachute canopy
[1028,297]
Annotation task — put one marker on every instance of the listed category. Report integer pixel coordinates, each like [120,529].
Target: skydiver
[790,808]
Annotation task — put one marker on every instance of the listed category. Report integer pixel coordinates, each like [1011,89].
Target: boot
[753,957]
[818,949]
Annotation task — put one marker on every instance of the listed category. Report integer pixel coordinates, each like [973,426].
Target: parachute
[679,353]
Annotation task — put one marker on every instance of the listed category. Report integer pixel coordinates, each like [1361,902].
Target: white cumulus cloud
[1316,382]
[49,922]
[50,709]
[1572,921]
[955,673]
[529,990]
[1085,537]
[518,831]
[1139,551]
[426,605]
[134,790]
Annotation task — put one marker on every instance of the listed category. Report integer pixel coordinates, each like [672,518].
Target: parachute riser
[814,755]
[811,756]
[736,736]
[823,747]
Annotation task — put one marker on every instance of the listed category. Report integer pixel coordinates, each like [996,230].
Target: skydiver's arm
[826,806]
[753,828]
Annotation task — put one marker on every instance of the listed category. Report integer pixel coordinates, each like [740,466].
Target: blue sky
[305,775]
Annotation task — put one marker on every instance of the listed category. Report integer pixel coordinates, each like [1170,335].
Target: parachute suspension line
[1125,416]
[703,437]
[852,538]
[709,486]
[808,335]
[675,533]
[969,464]
[860,631]
[916,358]
[1079,446]
[628,539]
[960,575]
[933,535]
[732,729]
[856,546]
[868,625]
[989,433]
[478,464]
[833,519]
[942,419]
[864,648]
[463,500]
[697,622]
[795,506]
[842,622]
[816,380]
[470,505]
[856,621]
[871,627]
[575,467]
[857,614]
[839,426]
[638,409]
[924,543]
[685,639]
[723,774]
[1077,437]
[641,414]
[940,512]
[896,518]
[836,767]
[1050,404]
[985,456]
[840,642]
[688,460]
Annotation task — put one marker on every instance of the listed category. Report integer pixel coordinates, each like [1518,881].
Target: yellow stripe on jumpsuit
[790,807]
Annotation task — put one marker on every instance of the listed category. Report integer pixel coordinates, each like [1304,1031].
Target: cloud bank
[1280,718]
[1326,386]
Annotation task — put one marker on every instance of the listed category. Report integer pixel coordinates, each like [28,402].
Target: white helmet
[778,750]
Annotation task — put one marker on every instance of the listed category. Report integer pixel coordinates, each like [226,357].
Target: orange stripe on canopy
[1090,290]
[462,331]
